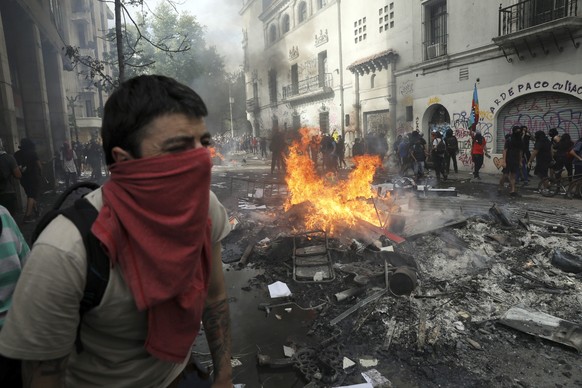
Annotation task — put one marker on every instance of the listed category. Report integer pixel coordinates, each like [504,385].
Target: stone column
[8,127]
[29,62]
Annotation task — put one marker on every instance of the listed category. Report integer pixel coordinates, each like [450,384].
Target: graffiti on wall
[403,126]
[536,86]
[460,125]
[464,157]
[407,88]
[542,111]
[434,100]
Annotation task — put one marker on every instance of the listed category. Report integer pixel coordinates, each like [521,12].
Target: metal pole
[230,102]
[341,68]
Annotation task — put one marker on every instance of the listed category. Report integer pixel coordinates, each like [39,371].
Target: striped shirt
[13,253]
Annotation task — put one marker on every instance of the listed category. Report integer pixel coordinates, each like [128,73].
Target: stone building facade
[37,80]
[395,66]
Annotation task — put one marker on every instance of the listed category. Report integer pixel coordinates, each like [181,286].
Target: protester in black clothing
[329,153]
[277,150]
[562,157]
[341,150]
[526,138]
[418,154]
[9,171]
[263,147]
[542,154]
[512,155]
[452,151]
[358,148]
[94,158]
[438,155]
[31,168]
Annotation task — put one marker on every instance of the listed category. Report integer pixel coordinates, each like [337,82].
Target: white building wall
[424,86]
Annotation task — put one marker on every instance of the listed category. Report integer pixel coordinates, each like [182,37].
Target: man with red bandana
[161,228]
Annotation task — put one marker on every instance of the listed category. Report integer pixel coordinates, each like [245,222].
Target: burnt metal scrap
[545,326]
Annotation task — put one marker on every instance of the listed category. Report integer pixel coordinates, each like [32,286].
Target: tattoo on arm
[47,373]
[216,322]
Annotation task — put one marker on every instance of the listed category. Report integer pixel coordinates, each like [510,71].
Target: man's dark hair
[136,103]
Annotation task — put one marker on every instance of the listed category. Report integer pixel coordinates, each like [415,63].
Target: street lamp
[230,102]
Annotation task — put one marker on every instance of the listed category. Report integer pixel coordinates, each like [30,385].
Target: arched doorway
[541,111]
[436,118]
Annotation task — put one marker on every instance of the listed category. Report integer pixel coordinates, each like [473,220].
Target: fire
[334,201]
[215,154]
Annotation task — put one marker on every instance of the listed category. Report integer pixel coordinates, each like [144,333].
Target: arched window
[272,33]
[372,81]
[285,24]
[321,4]
[302,11]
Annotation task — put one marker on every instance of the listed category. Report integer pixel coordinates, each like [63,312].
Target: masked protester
[161,228]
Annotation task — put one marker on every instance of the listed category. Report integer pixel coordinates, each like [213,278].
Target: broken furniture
[311,258]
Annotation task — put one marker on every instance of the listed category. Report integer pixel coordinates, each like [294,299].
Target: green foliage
[166,42]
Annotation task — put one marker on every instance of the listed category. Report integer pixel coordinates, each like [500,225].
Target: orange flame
[333,200]
[215,154]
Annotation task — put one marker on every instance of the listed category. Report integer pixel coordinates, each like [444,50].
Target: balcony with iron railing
[309,87]
[530,25]
[531,13]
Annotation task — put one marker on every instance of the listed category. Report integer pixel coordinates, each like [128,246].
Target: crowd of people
[552,154]
[413,152]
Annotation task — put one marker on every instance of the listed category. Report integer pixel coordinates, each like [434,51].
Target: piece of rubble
[234,362]
[474,344]
[375,378]
[279,290]
[566,261]
[499,215]
[288,351]
[347,363]
[465,316]
[368,362]
[459,325]
[544,326]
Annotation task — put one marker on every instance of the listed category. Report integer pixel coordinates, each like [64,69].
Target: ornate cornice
[374,62]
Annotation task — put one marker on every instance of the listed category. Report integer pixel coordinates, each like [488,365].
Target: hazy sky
[223,25]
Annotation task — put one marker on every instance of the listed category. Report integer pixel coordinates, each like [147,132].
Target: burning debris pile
[446,303]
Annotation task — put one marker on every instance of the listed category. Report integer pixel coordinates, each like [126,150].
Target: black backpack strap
[83,214]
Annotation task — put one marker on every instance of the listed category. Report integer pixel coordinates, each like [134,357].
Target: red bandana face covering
[154,223]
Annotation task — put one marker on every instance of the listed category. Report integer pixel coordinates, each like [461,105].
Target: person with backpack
[9,171]
[439,150]
[404,155]
[418,154]
[452,150]
[160,227]
[478,149]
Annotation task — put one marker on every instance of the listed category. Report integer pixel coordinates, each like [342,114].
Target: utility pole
[230,102]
